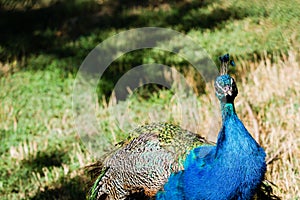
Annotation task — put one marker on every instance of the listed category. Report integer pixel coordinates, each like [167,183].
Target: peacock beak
[228,90]
[229,93]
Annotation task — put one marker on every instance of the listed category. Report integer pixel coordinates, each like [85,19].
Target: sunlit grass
[41,154]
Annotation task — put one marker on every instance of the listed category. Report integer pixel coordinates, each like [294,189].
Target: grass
[243,28]
[42,157]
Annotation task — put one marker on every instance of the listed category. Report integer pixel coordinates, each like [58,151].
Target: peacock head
[225,86]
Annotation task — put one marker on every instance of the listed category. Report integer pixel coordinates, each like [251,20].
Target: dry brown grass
[271,93]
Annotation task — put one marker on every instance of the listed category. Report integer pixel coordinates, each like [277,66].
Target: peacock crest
[225,62]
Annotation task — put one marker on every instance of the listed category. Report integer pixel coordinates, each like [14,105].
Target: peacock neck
[227,109]
[233,133]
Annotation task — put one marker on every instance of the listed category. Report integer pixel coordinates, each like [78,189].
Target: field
[42,155]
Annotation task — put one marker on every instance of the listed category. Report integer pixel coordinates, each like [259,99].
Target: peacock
[163,161]
[233,169]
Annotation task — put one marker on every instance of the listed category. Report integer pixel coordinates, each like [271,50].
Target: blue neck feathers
[227,110]
[234,137]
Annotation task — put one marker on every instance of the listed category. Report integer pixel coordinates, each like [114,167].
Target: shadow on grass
[75,188]
[50,30]
[64,189]
[64,32]
[45,159]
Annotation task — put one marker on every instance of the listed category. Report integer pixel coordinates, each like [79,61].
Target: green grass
[37,135]
[42,157]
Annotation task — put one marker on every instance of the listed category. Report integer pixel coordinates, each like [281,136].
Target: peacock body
[165,162]
[233,169]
